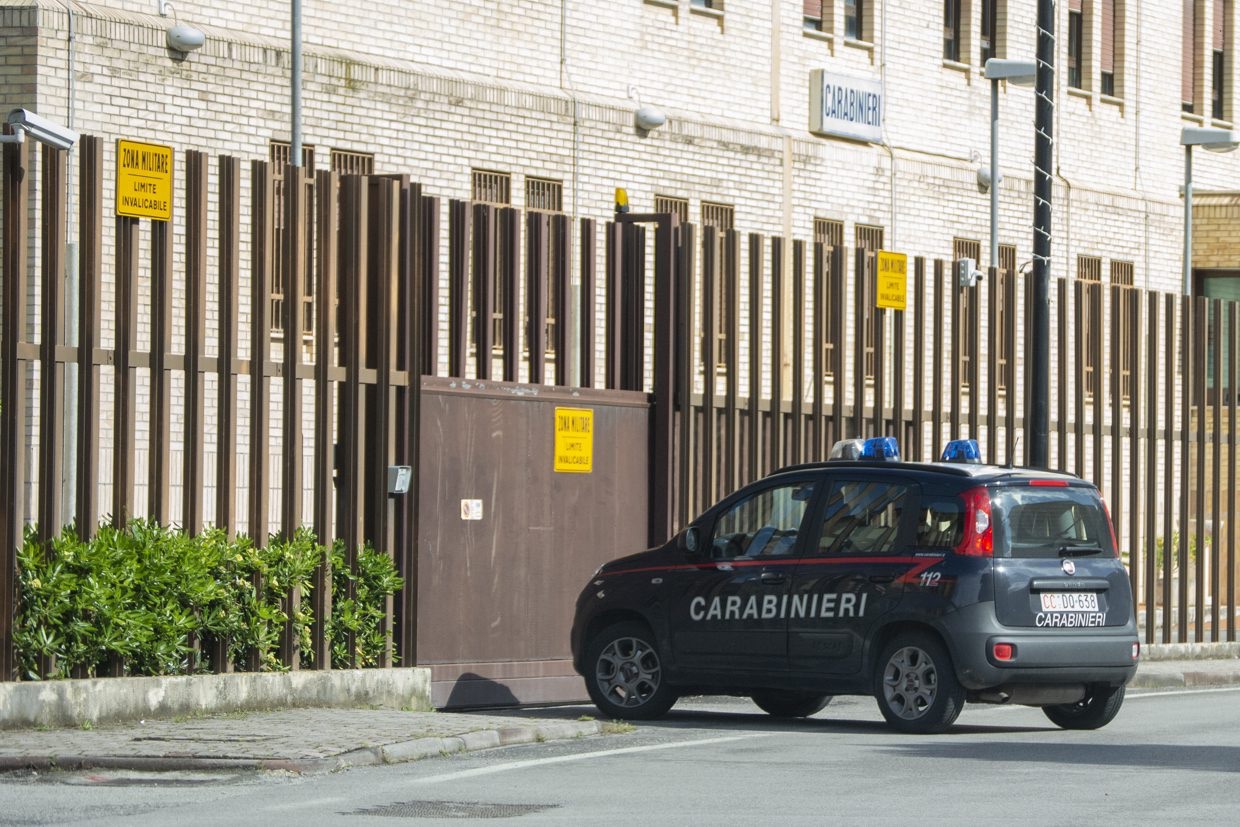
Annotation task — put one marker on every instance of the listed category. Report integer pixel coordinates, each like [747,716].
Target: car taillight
[1004,651]
[1136,650]
[978,538]
[1110,526]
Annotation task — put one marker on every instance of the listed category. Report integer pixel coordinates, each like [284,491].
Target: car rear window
[1052,521]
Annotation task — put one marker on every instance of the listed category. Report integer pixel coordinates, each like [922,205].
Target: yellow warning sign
[143,180]
[574,440]
[892,278]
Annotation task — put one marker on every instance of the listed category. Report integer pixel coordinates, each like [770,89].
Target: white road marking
[562,759]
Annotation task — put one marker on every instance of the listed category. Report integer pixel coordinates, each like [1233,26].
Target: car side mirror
[691,540]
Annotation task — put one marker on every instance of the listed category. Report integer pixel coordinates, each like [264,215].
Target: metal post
[1188,219]
[1037,421]
[994,172]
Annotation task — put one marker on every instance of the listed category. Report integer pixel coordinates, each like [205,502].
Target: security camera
[967,274]
[42,130]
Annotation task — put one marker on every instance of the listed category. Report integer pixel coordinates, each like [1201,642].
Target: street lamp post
[1215,140]
[1020,72]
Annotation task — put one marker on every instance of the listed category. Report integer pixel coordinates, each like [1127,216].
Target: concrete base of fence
[1189,651]
[30,704]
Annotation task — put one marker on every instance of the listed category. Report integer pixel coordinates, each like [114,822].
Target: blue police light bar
[963,450]
[881,448]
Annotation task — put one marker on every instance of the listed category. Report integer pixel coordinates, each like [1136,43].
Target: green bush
[146,596]
[359,601]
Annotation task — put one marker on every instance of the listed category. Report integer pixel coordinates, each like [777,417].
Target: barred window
[829,231]
[1089,270]
[869,239]
[1122,275]
[719,216]
[544,194]
[678,207]
[963,307]
[347,162]
[490,187]
[281,151]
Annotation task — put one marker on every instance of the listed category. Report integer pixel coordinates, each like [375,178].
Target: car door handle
[773,578]
[882,578]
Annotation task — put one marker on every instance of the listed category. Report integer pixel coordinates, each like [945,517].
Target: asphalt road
[1169,756]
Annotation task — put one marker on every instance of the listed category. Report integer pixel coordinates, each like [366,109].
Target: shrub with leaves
[359,599]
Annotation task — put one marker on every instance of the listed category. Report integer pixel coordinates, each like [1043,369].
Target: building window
[869,239]
[281,151]
[707,4]
[490,187]
[854,20]
[816,15]
[678,207]
[352,163]
[1089,271]
[544,194]
[1218,57]
[951,30]
[963,309]
[719,216]
[990,27]
[1124,312]
[1076,44]
[1112,45]
[1188,58]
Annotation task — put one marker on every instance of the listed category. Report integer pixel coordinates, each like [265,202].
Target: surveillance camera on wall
[41,129]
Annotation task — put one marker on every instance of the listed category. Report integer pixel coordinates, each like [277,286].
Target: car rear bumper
[1039,656]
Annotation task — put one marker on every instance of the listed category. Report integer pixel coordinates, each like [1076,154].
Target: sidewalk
[315,740]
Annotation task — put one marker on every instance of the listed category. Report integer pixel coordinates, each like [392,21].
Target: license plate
[1069,601]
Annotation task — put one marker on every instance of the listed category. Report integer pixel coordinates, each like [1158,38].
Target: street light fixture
[1020,72]
[1215,140]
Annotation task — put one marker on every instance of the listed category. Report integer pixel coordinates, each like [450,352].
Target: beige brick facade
[548,89]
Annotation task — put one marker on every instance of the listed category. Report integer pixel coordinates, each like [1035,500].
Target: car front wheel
[626,677]
[916,685]
[1097,709]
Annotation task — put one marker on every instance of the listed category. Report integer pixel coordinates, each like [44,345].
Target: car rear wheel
[626,677]
[916,685]
[1097,709]
[783,704]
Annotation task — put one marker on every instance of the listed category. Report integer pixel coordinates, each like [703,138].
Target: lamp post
[1215,140]
[1020,72]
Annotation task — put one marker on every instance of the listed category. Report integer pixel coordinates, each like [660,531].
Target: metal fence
[756,352]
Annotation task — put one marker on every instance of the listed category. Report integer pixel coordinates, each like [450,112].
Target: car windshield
[1053,521]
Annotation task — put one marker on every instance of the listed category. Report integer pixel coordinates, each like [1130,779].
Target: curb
[395,753]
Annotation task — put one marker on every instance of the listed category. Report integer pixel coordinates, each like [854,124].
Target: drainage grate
[452,809]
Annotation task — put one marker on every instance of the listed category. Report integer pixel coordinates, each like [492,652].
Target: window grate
[544,195]
[678,207]
[347,162]
[490,187]
[719,216]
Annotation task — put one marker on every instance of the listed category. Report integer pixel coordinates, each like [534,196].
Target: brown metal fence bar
[1115,496]
[936,396]
[327,214]
[1061,349]
[229,258]
[428,272]
[798,351]
[919,358]
[508,265]
[262,258]
[123,464]
[1135,386]
[753,404]
[663,459]
[880,371]
[458,286]
[296,214]
[899,421]
[586,245]
[686,475]
[1198,406]
[775,455]
[409,338]
[561,266]
[90,241]
[195,338]
[973,332]
[1009,369]
[732,358]
[55,169]
[354,265]
[861,302]
[818,362]
[1152,452]
[1078,334]
[710,361]
[1094,291]
[1216,469]
[1169,384]
[1233,386]
[613,285]
[995,335]
[537,268]
[838,331]
[1186,418]
[13,372]
[632,309]
[485,273]
[956,331]
[158,495]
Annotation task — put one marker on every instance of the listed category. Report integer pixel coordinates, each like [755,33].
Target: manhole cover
[452,809]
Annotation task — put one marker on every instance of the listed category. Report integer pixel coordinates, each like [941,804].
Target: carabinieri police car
[925,585]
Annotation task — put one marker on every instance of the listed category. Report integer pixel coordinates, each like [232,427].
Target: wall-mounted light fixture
[646,118]
[182,37]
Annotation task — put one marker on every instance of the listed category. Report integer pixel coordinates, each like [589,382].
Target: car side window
[863,516]
[940,523]
[765,524]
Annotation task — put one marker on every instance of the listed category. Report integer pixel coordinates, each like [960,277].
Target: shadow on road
[1161,756]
